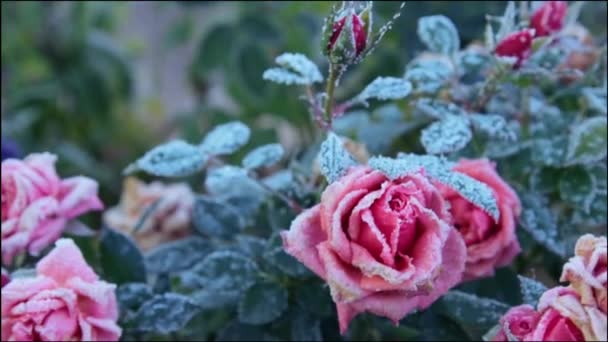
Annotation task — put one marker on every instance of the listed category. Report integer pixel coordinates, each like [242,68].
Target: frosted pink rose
[586,271]
[36,203]
[382,246]
[490,244]
[66,301]
[519,321]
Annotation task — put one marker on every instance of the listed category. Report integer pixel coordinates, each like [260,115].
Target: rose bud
[549,18]
[517,44]
[349,36]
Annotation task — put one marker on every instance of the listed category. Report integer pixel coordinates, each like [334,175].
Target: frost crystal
[334,160]
[226,138]
[177,255]
[295,69]
[472,309]
[215,218]
[438,109]
[448,135]
[428,76]
[263,156]
[227,273]
[493,125]
[385,88]
[165,313]
[588,141]
[531,290]
[439,34]
[173,159]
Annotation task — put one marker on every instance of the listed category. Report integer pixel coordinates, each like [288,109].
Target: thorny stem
[329,92]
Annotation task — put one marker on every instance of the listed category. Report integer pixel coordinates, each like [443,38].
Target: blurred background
[99,83]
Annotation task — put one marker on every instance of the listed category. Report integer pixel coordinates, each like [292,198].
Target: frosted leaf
[439,34]
[595,99]
[177,255]
[441,171]
[120,258]
[280,181]
[576,186]
[587,141]
[428,76]
[263,156]
[334,159]
[232,185]
[165,313]
[531,290]
[493,125]
[489,37]
[550,151]
[469,309]
[262,303]
[385,88]
[133,295]
[227,273]
[276,256]
[226,138]
[211,299]
[215,218]
[438,109]
[540,222]
[251,245]
[450,134]
[173,159]
[394,168]
[237,331]
[507,22]
[305,327]
[295,69]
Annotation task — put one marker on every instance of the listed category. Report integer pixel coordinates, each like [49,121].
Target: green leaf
[438,109]
[132,295]
[539,221]
[587,142]
[334,159]
[262,303]
[263,156]
[212,50]
[120,258]
[226,138]
[276,256]
[305,327]
[164,314]
[295,69]
[314,297]
[226,273]
[236,331]
[493,125]
[439,34]
[250,245]
[531,290]
[448,135]
[215,218]
[576,186]
[549,152]
[177,255]
[475,314]
[173,159]
[385,88]
[428,76]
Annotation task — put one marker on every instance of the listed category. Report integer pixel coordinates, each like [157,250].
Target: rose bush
[37,204]
[382,246]
[66,301]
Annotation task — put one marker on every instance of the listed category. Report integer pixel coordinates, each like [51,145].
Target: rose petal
[65,261]
[104,329]
[20,289]
[338,238]
[78,195]
[102,301]
[302,238]
[343,279]
[58,326]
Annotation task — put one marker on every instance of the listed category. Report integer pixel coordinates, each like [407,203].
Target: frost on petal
[343,279]
[302,238]
[77,196]
[64,262]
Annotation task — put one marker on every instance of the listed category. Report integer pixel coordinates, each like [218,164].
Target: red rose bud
[549,18]
[357,33]
[517,44]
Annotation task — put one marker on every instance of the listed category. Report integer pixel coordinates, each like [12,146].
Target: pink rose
[549,18]
[518,321]
[489,244]
[36,203]
[382,246]
[564,318]
[586,270]
[66,301]
[5,277]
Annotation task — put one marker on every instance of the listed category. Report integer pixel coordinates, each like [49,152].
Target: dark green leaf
[120,258]
[262,303]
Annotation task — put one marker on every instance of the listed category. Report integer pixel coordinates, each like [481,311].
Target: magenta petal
[302,238]
[454,254]
[58,326]
[338,238]
[21,289]
[64,262]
